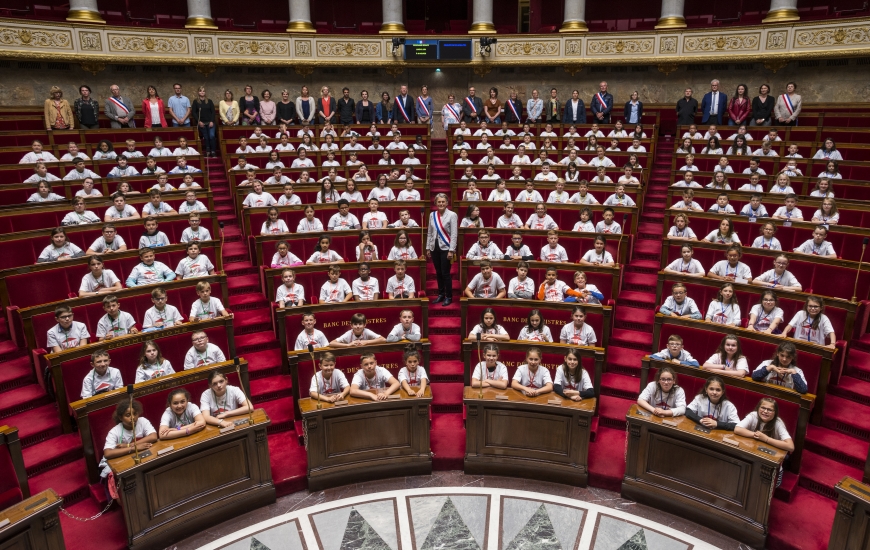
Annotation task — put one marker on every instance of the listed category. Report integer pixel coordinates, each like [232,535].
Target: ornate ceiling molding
[64,41]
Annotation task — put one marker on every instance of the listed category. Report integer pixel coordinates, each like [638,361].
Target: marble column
[575,16]
[782,11]
[393,22]
[300,17]
[672,15]
[84,11]
[482,18]
[199,15]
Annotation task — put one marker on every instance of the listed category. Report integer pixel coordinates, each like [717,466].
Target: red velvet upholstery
[17,173]
[343,242]
[18,194]
[10,491]
[827,280]
[126,359]
[153,405]
[25,251]
[514,315]
[702,344]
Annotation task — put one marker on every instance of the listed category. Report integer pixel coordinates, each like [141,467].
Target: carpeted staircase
[802,511]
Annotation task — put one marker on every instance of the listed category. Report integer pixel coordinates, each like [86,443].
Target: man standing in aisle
[119,109]
[687,106]
[441,246]
[179,107]
[404,111]
[602,104]
[714,104]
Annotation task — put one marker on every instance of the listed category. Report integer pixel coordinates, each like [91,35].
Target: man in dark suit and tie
[472,106]
[687,106]
[714,104]
[404,110]
[575,110]
[602,104]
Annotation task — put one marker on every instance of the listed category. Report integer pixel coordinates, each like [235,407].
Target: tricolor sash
[513,109]
[402,108]
[119,105]
[470,104]
[439,228]
[601,100]
[788,103]
[423,105]
[454,111]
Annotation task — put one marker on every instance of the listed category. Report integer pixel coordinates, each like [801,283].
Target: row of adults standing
[762,110]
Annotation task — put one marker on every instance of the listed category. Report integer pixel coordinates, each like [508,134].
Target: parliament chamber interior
[616,262]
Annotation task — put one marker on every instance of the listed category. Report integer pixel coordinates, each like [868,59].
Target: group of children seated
[810,324]
[68,333]
[103,377]
[740,144]
[336,290]
[406,330]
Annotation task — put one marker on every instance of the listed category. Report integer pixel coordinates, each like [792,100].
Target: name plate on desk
[162,452]
[502,397]
[669,423]
[229,428]
[641,413]
[4,523]
[554,402]
[340,403]
[730,441]
[394,396]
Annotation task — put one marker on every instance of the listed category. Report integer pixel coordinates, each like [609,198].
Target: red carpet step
[52,453]
[70,481]
[804,523]
[35,425]
[22,399]
[16,373]
[109,528]
[606,464]
[289,463]
[847,417]
[447,441]
[836,446]
[819,474]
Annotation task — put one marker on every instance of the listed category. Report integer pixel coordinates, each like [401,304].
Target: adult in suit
[633,110]
[687,106]
[404,110]
[472,106]
[552,108]
[119,109]
[513,109]
[306,106]
[575,110]
[441,242]
[714,104]
[365,109]
[326,107]
[602,104]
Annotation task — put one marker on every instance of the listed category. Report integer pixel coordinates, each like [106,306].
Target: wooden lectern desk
[366,439]
[527,436]
[208,477]
[33,524]
[851,530]
[700,476]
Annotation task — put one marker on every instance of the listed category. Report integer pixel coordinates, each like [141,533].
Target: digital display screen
[459,50]
[421,49]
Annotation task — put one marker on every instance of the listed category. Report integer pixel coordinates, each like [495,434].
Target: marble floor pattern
[450,510]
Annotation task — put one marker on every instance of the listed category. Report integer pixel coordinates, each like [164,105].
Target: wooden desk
[527,437]
[207,478]
[34,524]
[366,439]
[851,529]
[698,476]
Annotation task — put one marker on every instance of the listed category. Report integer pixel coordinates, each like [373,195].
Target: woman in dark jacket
[365,109]
[202,115]
[762,107]
[384,110]
[249,104]
[633,109]
[285,109]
